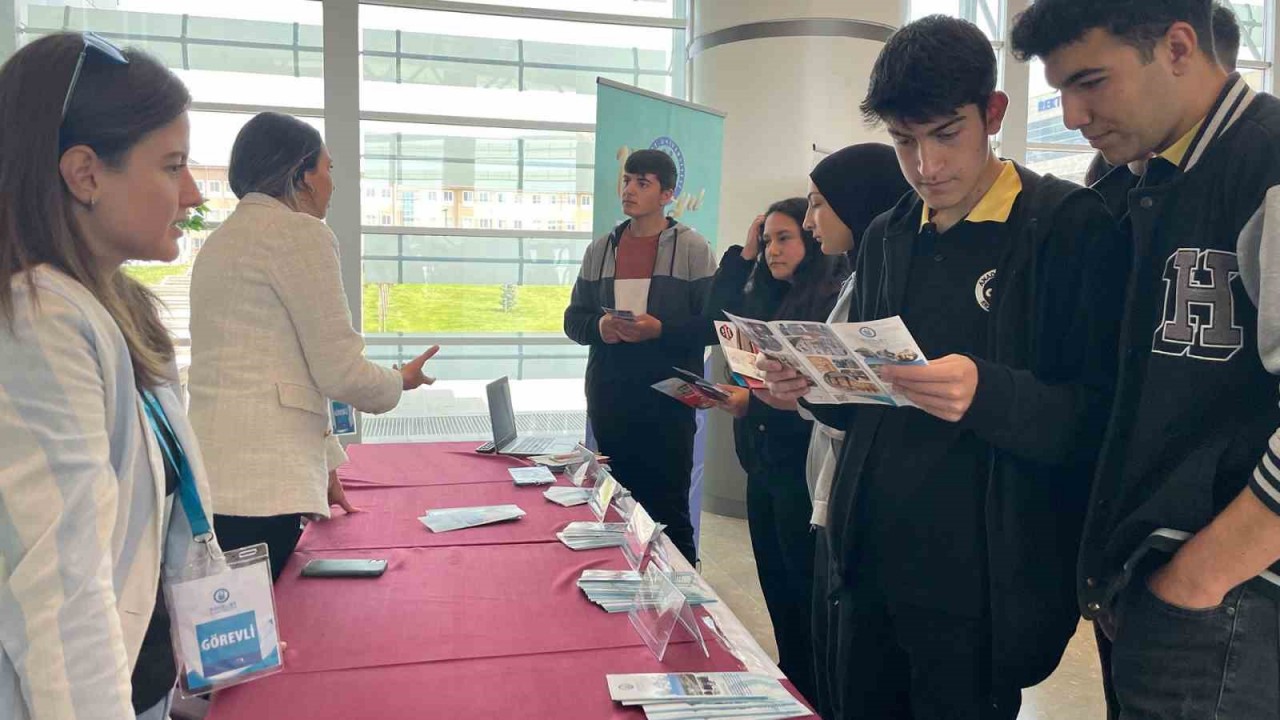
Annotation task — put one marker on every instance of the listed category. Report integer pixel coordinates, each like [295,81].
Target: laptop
[503,418]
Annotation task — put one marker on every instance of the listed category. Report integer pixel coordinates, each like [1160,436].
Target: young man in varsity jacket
[1178,557]
[953,527]
[659,270]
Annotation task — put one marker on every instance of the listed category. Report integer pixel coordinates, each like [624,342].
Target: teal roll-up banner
[630,119]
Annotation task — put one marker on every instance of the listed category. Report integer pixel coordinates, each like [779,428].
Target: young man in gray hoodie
[659,272]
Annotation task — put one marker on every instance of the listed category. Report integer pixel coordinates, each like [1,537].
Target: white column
[342,137]
[790,74]
[1017,83]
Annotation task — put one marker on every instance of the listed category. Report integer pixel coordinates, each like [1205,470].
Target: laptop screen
[501,414]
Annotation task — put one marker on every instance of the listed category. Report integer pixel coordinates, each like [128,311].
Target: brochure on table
[842,362]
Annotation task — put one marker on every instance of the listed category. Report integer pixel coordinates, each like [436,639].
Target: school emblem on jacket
[1199,319]
[985,290]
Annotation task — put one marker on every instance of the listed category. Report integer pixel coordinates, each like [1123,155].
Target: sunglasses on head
[99,47]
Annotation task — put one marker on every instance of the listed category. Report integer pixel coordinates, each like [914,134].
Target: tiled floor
[1074,692]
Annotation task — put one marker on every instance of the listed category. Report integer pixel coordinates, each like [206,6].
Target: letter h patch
[1199,307]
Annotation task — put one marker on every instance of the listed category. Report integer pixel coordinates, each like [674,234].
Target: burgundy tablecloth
[407,464]
[446,603]
[389,517]
[555,686]
[490,625]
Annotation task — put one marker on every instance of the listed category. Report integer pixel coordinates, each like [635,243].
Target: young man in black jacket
[953,526]
[1178,562]
[1114,183]
[660,271]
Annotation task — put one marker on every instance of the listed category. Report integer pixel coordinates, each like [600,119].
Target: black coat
[1044,386]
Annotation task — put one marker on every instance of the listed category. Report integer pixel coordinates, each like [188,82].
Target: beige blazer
[85,526]
[271,339]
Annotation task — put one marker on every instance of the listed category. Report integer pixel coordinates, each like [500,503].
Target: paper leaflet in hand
[841,362]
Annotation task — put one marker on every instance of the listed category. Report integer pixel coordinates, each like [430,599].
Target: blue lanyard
[188,494]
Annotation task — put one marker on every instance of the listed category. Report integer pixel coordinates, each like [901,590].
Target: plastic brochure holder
[659,607]
[641,535]
[586,469]
[602,495]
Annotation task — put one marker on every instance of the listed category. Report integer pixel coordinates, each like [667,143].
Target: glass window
[233,51]
[1068,165]
[419,61]
[983,13]
[479,163]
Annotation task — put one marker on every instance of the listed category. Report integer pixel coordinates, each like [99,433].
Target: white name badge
[224,623]
[342,417]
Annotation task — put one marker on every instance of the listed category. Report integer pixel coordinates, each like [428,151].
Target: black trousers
[778,512]
[655,462]
[279,532]
[879,659]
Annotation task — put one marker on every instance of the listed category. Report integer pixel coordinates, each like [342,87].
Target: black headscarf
[860,182]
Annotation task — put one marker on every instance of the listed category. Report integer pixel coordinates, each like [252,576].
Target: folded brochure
[842,361]
[537,475]
[446,519]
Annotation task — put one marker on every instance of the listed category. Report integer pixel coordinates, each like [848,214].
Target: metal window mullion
[179,39]
[483,122]
[529,13]
[186,57]
[1271,37]
[520,61]
[474,232]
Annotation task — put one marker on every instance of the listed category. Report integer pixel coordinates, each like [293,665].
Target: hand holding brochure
[446,519]
[740,354]
[842,361]
[693,390]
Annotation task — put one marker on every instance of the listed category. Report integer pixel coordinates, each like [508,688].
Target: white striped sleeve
[1258,250]
[1266,478]
[59,621]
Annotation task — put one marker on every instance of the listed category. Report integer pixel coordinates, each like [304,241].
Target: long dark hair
[816,280]
[112,109]
[271,154]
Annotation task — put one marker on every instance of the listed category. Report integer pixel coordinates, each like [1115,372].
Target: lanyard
[188,495]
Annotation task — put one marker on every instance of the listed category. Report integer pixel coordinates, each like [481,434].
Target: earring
[93,202]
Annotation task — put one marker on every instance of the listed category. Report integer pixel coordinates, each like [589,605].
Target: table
[476,623]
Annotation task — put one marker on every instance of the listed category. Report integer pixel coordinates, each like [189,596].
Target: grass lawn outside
[422,308]
[150,275]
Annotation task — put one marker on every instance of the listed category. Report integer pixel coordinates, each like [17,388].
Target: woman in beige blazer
[272,342]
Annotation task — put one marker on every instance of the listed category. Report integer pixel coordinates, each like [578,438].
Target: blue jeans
[1221,663]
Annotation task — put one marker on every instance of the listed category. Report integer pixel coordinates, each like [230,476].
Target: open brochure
[841,361]
[740,354]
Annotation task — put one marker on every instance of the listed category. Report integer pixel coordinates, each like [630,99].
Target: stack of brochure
[615,590]
[592,535]
[693,696]
[446,519]
[568,496]
[539,475]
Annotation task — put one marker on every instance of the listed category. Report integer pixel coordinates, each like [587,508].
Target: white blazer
[84,521]
[271,339]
